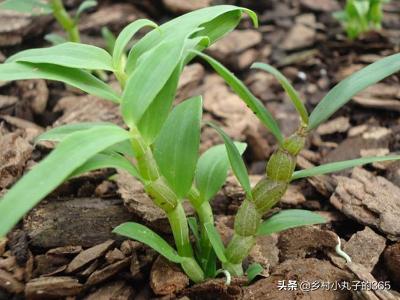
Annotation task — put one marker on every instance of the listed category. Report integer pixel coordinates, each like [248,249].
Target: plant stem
[66,22]
[163,196]
[267,192]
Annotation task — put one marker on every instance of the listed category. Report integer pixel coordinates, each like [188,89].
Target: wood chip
[369,199]
[365,247]
[184,6]
[9,283]
[89,255]
[52,287]
[117,290]
[167,278]
[392,262]
[107,272]
[49,224]
[338,125]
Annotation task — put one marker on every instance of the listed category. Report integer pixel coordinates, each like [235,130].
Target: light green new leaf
[69,54]
[176,147]
[71,153]
[294,97]
[84,6]
[152,73]
[55,39]
[146,236]
[156,114]
[289,218]
[253,271]
[236,161]
[341,165]
[216,242]
[186,24]
[347,88]
[125,36]
[212,169]
[109,38]
[74,77]
[57,134]
[106,160]
[244,93]
[32,7]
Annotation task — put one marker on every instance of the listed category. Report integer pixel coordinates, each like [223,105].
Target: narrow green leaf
[32,7]
[194,227]
[125,36]
[150,238]
[187,24]
[212,169]
[294,97]
[109,38]
[107,160]
[152,73]
[57,134]
[71,153]
[55,39]
[177,146]
[347,88]
[244,93]
[253,271]
[74,77]
[156,114]
[69,54]
[340,165]
[236,161]
[216,242]
[289,218]
[84,6]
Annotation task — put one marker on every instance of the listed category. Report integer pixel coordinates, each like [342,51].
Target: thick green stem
[164,197]
[267,193]
[64,19]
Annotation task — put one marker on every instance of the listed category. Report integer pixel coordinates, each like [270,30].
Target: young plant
[164,143]
[55,7]
[280,168]
[361,16]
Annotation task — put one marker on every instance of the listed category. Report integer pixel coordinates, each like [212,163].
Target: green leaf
[71,153]
[216,242]
[107,160]
[69,54]
[289,218]
[109,38]
[244,93]
[152,73]
[55,39]
[84,6]
[177,146]
[185,25]
[253,271]
[347,88]
[150,238]
[212,169]
[156,114]
[57,134]
[341,165]
[74,77]
[294,97]
[125,36]
[236,161]
[32,7]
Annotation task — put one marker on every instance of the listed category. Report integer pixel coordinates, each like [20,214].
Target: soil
[64,248]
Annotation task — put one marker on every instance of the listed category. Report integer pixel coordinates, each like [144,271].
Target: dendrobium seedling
[361,16]
[164,142]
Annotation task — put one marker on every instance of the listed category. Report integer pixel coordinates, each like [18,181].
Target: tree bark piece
[81,221]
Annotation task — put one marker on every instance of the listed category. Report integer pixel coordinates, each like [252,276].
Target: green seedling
[361,16]
[161,145]
[57,9]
